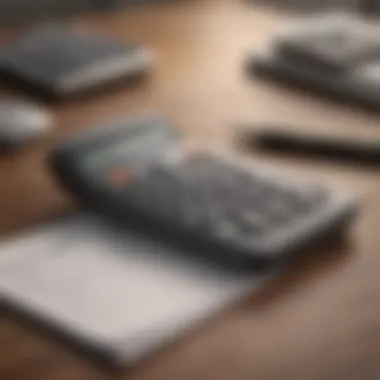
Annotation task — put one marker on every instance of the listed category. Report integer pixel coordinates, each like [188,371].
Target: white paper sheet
[112,289]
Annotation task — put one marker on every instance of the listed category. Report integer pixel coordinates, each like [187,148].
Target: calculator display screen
[127,151]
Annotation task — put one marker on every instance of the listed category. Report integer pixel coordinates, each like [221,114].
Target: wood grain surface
[321,321]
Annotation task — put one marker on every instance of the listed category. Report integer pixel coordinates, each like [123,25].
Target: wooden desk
[319,322]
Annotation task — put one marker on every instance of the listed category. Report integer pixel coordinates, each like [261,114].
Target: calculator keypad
[208,196]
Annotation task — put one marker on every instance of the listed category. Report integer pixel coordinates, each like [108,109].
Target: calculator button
[253,219]
[135,191]
[253,225]
[167,204]
[310,199]
[191,212]
[368,73]
[280,209]
[119,176]
[226,231]
[159,174]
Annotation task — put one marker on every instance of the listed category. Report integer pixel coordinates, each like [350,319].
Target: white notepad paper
[110,290]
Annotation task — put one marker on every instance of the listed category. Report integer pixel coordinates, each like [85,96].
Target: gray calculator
[142,174]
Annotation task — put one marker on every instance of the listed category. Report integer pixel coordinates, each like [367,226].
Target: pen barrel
[329,147]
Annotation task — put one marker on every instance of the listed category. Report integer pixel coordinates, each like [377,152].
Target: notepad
[113,292]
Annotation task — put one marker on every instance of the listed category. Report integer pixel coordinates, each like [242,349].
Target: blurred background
[12,10]
[16,10]
[307,5]
[327,307]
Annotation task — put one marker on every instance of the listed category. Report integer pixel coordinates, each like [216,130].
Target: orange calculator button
[119,176]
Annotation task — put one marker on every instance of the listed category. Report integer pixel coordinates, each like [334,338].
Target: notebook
[61,60]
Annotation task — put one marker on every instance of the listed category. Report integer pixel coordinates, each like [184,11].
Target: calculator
[144,174]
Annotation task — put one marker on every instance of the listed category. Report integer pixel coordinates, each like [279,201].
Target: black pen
[338,148]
